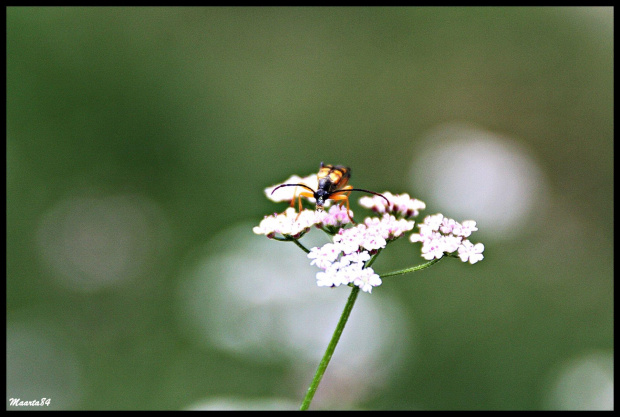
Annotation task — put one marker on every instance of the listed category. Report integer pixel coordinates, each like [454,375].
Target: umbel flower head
[346,258]
[440,235]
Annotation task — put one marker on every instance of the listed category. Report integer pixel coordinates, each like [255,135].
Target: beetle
[333,184]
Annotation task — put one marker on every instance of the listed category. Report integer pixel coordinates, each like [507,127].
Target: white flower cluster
[293,224]
[343,260]
[343,268]
[440,235]
[401,205]
[287,223]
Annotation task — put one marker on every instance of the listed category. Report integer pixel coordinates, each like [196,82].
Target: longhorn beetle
[333,184]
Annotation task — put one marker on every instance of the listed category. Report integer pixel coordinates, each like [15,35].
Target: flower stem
[330,349]
[412,269]
[302,247]
[372,260]
[287,238]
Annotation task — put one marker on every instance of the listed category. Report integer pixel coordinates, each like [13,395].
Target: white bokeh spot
[475,174]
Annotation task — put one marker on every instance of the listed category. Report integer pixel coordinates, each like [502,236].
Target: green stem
[302,247]
[372,260]
[287,238]
[412,269]
[330,349]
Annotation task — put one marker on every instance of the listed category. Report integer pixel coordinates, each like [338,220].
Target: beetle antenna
[292,185]
[365,191]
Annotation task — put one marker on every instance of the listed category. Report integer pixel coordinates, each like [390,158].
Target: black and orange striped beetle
[333,184]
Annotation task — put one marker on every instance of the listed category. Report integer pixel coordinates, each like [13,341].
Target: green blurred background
[139,143]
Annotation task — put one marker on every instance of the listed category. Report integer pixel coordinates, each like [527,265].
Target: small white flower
[337,216]
[416,237]
[349,240]
[338,274]
[325,279]
[346,274]
[434,221]
[468,226]
[355,258]
[451,243]
[432,248]
[373,240]
[470,252]
[324,256]
[425,233]
[367,279]
[448,225]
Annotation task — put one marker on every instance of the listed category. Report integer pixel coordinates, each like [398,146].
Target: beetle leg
[301,194]
[344,196]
